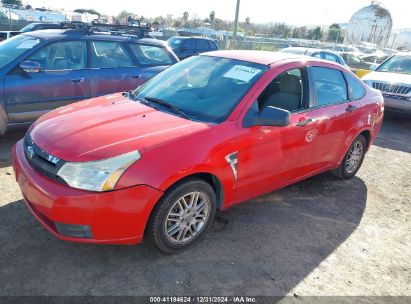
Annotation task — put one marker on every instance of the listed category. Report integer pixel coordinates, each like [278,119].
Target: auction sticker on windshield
[242,72]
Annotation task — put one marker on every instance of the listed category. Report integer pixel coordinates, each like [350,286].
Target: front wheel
[353,159]
[182,216]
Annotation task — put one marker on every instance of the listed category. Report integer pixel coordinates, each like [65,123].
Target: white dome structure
[372,24]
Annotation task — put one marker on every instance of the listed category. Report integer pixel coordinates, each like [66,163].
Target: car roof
[407,54]
[260,57]
[313,50]
[57,34]
[268,58]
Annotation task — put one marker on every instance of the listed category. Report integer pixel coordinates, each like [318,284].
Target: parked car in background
[43,70]
[318,53]
[393,79]
[374,58]
[185,47]
[36,26]
[346,49]
[210,132]
[356,64]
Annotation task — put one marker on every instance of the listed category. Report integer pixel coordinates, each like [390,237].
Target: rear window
[151,55]
[329,85]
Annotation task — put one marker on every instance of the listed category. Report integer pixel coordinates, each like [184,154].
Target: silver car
[393,79]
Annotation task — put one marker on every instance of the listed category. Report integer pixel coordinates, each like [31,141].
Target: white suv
[393,79]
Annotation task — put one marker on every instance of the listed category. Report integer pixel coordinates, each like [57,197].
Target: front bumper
[397,104]
[114,217]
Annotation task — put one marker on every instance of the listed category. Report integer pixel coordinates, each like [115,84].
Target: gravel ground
[319,237]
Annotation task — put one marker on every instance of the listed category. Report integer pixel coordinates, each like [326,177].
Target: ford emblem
[30,152]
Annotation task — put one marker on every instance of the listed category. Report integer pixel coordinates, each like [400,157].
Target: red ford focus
[209,132]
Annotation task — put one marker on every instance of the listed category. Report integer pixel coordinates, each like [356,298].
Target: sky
[293,12]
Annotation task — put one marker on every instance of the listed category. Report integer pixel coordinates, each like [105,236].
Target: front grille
[391,88]
[44,163]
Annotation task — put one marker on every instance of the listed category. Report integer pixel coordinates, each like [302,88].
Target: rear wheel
[353,159]
[182,216]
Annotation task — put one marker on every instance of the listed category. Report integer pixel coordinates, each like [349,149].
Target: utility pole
[237,10]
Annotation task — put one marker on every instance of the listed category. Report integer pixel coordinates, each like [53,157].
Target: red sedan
[209,132]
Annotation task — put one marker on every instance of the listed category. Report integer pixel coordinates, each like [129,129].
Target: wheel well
[214,182]
[367,135]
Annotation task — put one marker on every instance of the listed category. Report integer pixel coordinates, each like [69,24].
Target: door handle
[350,108]
[135,76]
[303,122]
[78,80]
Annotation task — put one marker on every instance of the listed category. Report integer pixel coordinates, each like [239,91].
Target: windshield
[174,42]
[396,64]
[204,88]
[11,48]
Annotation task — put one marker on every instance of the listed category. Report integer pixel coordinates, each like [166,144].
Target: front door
[269,156]
[63,79]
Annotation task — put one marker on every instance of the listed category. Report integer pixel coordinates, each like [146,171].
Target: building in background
[401,39]
[15,17]
[372,24]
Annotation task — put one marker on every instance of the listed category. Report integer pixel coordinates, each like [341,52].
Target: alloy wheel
[354,157]
[187,217]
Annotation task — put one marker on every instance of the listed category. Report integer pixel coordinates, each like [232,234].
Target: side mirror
[373,66]
[30,66]
[269,116]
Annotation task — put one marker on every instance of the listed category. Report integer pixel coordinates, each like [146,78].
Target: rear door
[334,112]
[202,46]
[188,48]
[112,68]
[63,79]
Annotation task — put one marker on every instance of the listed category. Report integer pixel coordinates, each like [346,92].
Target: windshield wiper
[130,94]
[167,105]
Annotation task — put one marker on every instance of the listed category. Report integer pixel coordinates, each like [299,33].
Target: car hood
[105,127]
[388,77]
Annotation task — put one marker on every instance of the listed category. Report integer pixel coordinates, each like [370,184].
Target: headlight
[101,175]
[368,82]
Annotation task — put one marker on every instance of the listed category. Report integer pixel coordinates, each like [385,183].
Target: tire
[174,225]
[3,122]
[353,159]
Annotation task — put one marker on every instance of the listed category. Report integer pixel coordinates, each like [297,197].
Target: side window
[317,55]
[330,57]
[329,85]
[190,44]
[107,54]
[151,55]
[285,91]
[355,87]
[202,45]
[64,55]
